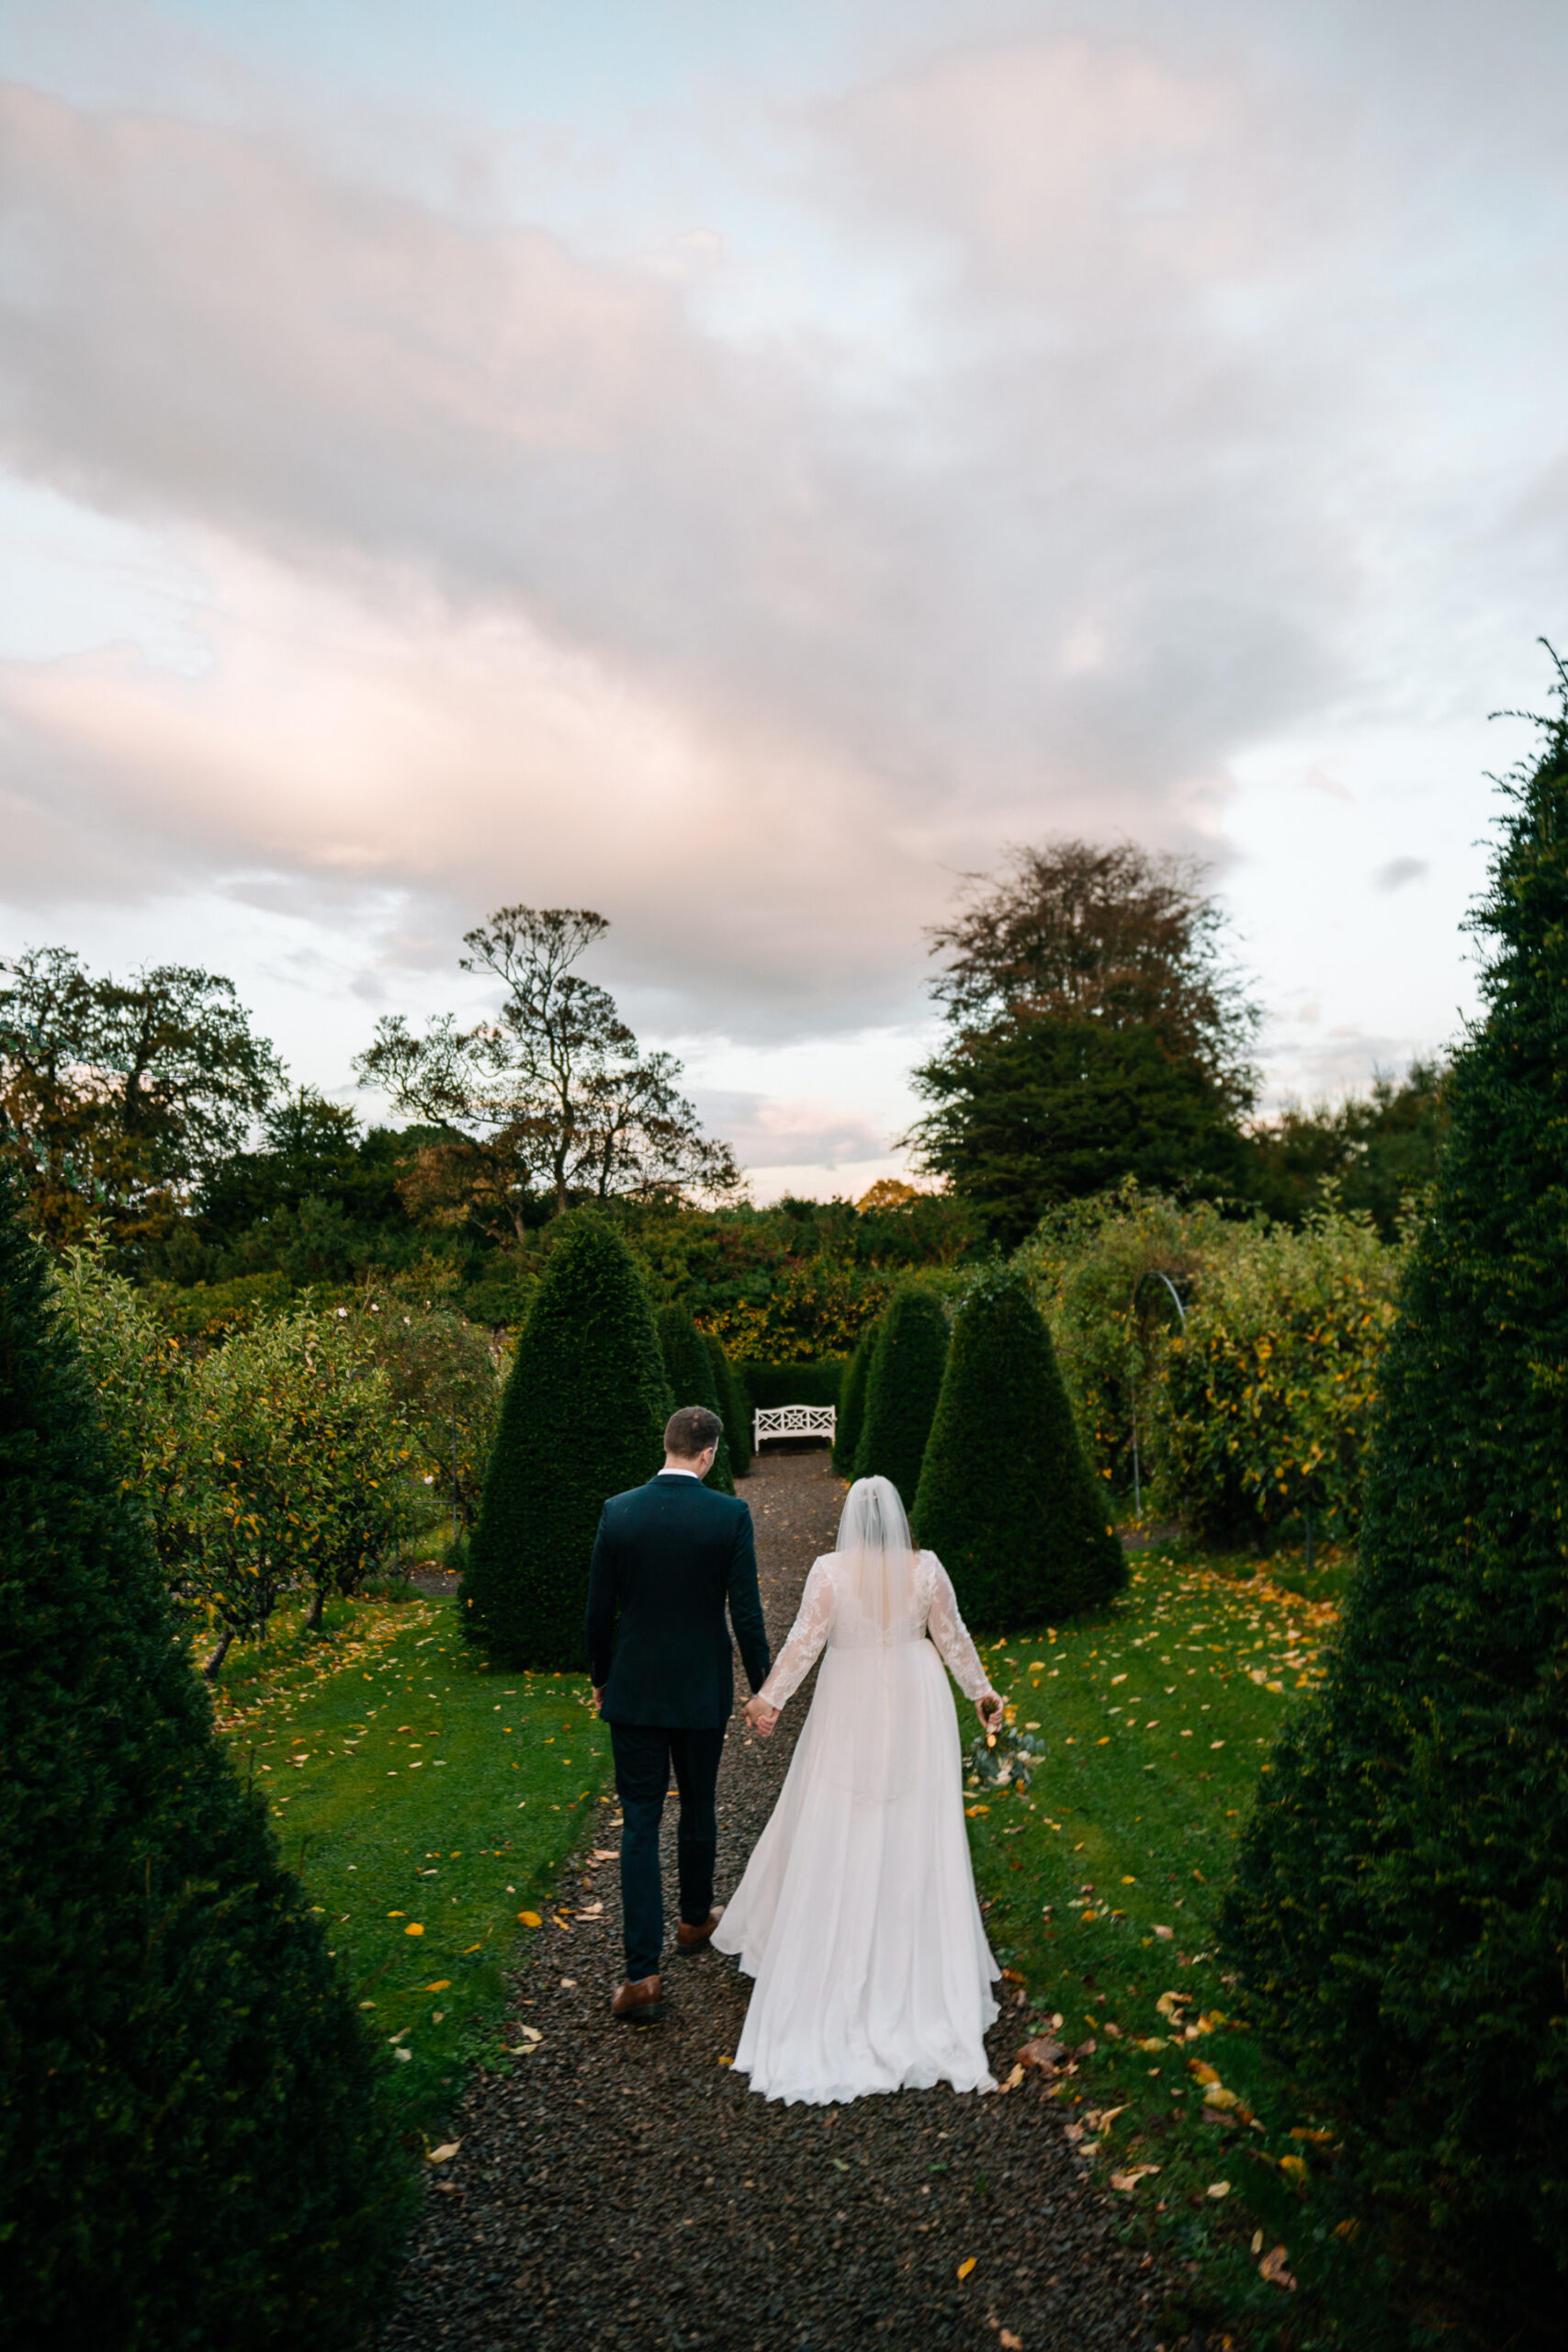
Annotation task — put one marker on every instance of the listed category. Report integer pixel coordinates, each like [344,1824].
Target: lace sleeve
[951,1636]
[806,1636]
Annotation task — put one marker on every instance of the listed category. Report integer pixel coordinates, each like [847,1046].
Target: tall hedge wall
[688,1368]
[1006,1497]
[1399,1909]
[189,2137]
[852,1402]
[792,1383]
[734,1405]
[582,1417]
[902,1390]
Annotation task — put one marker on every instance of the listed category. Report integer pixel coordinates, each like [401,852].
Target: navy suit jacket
[667,1558]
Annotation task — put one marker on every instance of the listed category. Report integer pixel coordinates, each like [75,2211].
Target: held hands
[761,1717]
[990,1710]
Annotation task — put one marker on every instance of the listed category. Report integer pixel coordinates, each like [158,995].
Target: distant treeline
[1095,1034]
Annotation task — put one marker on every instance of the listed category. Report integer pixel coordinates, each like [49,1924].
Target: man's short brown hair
[691,1431]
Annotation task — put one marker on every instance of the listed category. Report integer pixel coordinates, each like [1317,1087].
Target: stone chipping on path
[620,2187]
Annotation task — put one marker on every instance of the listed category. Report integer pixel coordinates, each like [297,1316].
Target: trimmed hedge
[901,1392]
[1400,1907]
[582,1417]
[688,1367]
[734,1405]
[852,1402]
[193,2155]
[792,1383]
[1006,1497]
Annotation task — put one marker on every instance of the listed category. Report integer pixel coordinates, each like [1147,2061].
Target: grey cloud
[770,1132]
[1398,871]
[1116,508]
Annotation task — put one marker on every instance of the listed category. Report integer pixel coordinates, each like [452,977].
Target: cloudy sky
[739,468]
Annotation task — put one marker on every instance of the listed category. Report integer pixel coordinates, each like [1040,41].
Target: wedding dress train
[857,1913]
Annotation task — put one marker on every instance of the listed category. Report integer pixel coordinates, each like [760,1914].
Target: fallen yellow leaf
[965,2267]
[443,2155]
[970,1810]
[413,1928]
[727,2061]
[1218,2189]
[1272,2268]
[1129,2179]
[442,1984]
[1297,2167]
[1010,2342]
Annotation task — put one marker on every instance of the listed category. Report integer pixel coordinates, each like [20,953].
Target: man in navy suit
[667,1559]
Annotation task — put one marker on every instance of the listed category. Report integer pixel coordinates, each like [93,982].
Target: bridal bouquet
[1003,1759]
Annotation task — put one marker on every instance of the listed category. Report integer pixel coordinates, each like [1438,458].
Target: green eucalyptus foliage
[1006,1497]
[688,1367]
[1400,1907]
[734,1406]
[581,1417]
[901,1391]
[852,1402]
[189,2137]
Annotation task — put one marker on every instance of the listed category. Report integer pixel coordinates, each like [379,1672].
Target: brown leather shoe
[638,2004]
[690,1940]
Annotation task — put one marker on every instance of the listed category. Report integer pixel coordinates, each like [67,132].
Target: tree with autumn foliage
[1096,1029]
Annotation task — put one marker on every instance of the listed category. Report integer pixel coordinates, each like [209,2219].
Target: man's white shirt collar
[670,1471]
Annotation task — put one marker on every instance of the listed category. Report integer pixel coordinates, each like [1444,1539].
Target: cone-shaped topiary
[902,1390]
[581,1419]
[1007,1499]
[1400,1907]
[852,1402]
[734,1406]
[189,2138]
[688,1367]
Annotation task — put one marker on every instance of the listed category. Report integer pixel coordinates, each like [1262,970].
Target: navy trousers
[643,1755]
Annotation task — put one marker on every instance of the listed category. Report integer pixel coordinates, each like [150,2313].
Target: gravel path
[621,2187]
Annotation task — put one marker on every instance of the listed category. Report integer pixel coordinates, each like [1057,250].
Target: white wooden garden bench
[794,1420]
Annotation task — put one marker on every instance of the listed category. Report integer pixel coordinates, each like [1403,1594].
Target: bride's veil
[876,1615]
[875,1567]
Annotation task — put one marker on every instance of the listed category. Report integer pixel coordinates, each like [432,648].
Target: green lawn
[427,1800]
[1155,1718]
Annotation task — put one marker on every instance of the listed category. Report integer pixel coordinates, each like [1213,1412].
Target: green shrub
[1265,1410]
[277,1462]
[734,1406]
[299,1469]
[1006,1497]
[445,1388]
[1103,1272]
[812,1310]
[688,1368]
[1400,1907]
[852,1402]
[581,1419]
[190,2136]
[901,1391]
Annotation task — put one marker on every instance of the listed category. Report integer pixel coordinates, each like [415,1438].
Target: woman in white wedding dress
[857,1913]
